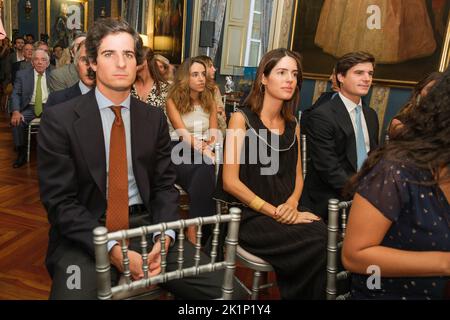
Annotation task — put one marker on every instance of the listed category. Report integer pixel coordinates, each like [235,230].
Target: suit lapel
[139,147]
[345,123]
[89,131]
[73,92]
[371,127]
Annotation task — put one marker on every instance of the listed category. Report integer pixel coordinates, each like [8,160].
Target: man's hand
[116,258]
[16,118]
[154,257]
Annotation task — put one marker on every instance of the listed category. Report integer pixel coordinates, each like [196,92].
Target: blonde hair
[179,91]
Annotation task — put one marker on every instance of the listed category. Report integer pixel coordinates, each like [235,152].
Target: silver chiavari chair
[245,258]
[259,267]
[337,214]
[33,128]
[129,289]
[304,155]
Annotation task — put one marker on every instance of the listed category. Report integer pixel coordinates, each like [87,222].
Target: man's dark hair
[105,27]
[349,60]
[18,38]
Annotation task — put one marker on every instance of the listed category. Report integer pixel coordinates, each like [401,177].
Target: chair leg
[29,144]
[255,286]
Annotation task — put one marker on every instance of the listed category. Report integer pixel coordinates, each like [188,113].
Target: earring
[261,88]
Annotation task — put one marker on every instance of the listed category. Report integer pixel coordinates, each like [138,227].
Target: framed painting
[166,28]
[409,38]
[64,19]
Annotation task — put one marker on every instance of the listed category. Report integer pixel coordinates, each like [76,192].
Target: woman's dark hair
[105,27]
[424,141]
[268,62]
[351,59]
[416,94]
[153,69]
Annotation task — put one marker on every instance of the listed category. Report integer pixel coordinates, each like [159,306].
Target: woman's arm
[178,124]
[213,134]
[367,227]
[295,197]
[232,154]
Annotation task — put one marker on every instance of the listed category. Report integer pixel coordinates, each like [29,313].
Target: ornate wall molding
[91,13]
[319,88]
[115,9]
[41,15]
[15,14]
[281,24]
[379,101]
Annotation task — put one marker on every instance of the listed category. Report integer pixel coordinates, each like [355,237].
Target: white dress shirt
[83,88]
[108,117]
[351,106]
[43,87]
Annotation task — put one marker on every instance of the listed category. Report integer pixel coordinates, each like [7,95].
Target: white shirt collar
[37,73]
[83,88]
[349,104]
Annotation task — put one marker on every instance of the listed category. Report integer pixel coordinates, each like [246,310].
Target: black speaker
[207,33]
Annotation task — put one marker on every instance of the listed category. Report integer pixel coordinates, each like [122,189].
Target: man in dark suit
[83,86]
[24,64]
[78,171]
[13,57]
[340,133]
[28,98]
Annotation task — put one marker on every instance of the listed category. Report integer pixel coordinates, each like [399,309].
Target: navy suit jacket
[72,170]
[23,89]
[64,95]
[331,148]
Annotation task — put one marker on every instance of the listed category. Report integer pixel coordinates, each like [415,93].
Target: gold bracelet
[257,203]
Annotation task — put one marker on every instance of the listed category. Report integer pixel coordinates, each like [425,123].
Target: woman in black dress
[262,174]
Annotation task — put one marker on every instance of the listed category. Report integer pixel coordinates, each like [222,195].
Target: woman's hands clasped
[287,213]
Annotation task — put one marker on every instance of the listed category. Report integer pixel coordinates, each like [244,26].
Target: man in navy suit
[83,86]
[74,169]
[27,101]
[340,133]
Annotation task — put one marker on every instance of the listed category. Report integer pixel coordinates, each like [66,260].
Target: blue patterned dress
[420,216]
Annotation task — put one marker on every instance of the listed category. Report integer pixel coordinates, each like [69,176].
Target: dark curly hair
[105,27]
[416,94]
[424,141]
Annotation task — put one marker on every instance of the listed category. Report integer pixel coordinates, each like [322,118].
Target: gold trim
[445,57]
[183,34]
[86,16]
[293,24]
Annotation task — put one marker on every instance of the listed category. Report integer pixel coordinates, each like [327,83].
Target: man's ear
[340,78]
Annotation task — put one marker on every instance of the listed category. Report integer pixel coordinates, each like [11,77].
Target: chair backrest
[337,214]
[131,288]
[218,152]
[304,155]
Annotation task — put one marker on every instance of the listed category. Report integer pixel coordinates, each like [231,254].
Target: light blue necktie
[361,152]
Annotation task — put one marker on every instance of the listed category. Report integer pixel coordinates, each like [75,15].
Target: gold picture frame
[311,37]
[64,19]
[166,28]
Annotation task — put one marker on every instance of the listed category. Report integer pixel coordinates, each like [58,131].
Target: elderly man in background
[28,98]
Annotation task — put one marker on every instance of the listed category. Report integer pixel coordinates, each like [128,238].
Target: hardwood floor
[23,226]
[24,229]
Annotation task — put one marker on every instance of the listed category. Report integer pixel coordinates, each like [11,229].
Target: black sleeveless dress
[297,252]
